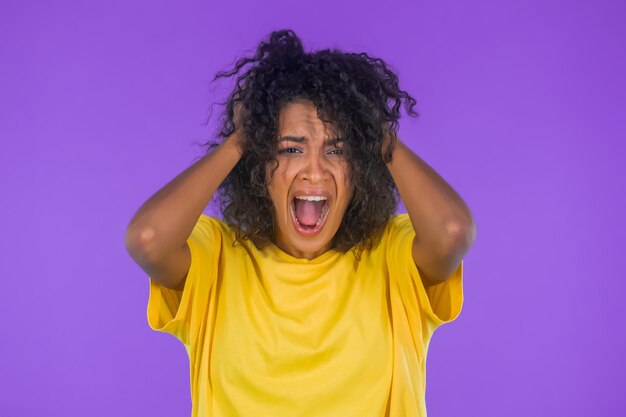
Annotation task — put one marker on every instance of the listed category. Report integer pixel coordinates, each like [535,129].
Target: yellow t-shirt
[268,334]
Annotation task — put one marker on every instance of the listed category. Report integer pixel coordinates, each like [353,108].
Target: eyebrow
[302,139]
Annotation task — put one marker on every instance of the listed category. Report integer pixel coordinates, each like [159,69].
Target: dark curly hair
[354,92]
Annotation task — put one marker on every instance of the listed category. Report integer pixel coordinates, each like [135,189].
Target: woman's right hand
[237,110]
[236,138]
[156,235]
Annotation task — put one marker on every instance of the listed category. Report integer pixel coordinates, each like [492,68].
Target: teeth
[316,198]
[322,216]
[311,197]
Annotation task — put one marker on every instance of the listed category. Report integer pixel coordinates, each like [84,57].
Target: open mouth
[309,213]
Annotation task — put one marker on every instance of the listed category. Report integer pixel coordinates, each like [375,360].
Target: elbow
[461,235]
[138,243]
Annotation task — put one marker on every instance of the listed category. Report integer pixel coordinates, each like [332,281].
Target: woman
[311,297]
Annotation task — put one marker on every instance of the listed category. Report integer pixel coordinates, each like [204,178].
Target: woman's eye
[336,151]
[288,150]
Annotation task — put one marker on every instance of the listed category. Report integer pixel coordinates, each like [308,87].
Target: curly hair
[356,93]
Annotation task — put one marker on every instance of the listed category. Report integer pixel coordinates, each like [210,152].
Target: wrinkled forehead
[300,118]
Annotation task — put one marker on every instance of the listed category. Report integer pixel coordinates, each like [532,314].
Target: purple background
[522,107]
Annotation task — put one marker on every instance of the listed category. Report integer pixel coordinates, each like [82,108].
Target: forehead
[300,118]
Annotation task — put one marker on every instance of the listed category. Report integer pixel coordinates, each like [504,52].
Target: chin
[307,243]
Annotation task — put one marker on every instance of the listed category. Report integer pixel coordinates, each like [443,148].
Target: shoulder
[397,235]
[212,228]
[397,228]
[213,222]
[218,233]
[399,224]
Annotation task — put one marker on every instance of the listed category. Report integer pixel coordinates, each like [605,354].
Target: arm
[156,237]
[444,227]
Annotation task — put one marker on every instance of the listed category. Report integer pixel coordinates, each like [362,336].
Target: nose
[315,168]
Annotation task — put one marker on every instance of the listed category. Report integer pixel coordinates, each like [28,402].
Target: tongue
[308,212]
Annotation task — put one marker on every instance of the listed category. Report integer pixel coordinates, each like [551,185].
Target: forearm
[166,219]
[438,214]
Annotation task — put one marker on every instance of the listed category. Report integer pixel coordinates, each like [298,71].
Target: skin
[445,230]
[312,165]
[443,224]
[444,227]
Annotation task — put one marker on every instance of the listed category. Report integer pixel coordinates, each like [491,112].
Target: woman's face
[310,189]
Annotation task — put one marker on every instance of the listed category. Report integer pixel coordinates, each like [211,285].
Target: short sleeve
[441,303]
[180,313]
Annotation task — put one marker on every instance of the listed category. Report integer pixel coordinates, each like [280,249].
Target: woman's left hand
[386,138]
